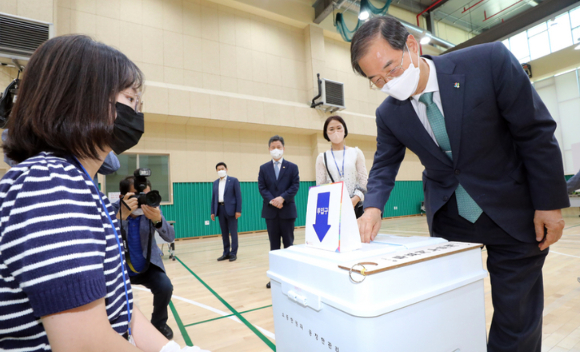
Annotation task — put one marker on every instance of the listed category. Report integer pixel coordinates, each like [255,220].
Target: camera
[153,198]
[7,100]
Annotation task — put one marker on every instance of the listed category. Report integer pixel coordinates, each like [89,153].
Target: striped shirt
[58,250]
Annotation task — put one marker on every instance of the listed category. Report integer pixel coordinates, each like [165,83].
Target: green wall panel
[406,197]
[191,206]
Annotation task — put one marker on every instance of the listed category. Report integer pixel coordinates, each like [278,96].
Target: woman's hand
[355,200]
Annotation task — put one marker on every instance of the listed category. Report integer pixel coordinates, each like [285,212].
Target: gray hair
[390,30]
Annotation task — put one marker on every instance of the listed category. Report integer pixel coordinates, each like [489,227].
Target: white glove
[172,346]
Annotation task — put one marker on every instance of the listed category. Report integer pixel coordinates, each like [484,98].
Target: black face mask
[128,129]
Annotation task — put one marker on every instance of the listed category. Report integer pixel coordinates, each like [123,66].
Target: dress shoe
[223,257]
[233,257]
[166,331]
[268,285]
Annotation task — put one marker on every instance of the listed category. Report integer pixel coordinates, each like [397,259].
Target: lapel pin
[283,167]
[456,85]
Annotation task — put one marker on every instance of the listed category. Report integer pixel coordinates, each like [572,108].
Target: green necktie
[466,206]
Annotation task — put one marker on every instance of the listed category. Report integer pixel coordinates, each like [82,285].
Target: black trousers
[283,228]
[157,281]
[228,225]
[515,270]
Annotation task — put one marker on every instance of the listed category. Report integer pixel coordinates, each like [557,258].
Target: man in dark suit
[493,169]
[278,182]
[226,204]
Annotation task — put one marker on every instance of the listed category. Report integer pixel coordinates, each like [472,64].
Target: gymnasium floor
[205,319]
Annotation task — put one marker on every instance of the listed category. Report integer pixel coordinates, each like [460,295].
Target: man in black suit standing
[226,204]
[278,182]
[493,169]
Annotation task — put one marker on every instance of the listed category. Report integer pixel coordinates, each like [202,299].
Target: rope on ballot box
[362,271]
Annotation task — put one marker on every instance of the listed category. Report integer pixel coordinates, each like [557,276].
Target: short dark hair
[128,182]
[66,101]
[335,118]
[276,138]
[389,29]
[221,163]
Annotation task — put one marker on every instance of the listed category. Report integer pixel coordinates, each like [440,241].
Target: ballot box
[397,294]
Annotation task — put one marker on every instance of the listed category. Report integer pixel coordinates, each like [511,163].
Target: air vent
[332,94]
[19,37]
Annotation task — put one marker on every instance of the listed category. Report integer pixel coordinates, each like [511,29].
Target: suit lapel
[228,184]
[451,90]
[418,131]
[452,103]
[282,169]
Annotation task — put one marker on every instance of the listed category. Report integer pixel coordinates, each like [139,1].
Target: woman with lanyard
[63,283]
[342,163]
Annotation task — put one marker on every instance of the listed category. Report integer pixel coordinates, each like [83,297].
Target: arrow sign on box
[321,226]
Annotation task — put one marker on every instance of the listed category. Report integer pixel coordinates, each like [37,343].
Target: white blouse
[355,170]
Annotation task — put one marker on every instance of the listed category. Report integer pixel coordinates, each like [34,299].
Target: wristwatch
[157,224]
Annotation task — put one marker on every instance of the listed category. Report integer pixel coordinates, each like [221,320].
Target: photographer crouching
[139,211]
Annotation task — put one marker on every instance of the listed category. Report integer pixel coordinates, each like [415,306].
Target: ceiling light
[363,15]
[425,40]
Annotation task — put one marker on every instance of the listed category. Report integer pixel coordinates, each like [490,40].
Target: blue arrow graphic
[321,226]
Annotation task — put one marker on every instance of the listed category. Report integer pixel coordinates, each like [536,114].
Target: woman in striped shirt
[63,283]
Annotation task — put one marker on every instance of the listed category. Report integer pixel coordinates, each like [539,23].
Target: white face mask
[276,153]
[336,137]
[137,212]
[222,173]
[402,87]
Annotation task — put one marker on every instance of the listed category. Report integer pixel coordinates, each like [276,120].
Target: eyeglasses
[136,100]
[381,81]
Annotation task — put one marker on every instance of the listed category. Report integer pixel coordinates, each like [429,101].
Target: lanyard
[343,157]
[118,246]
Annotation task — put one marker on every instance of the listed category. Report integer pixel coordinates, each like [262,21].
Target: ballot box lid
[315,278]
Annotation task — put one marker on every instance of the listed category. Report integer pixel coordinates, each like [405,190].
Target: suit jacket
[166,232]
[232,196]
[286,186]
[502,137]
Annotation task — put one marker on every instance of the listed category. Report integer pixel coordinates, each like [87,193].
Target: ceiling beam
[322,8]
[518,22]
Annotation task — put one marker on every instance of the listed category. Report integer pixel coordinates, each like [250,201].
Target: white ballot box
[417,294]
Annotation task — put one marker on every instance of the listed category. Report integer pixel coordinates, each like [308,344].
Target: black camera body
[7,101]
[153,198]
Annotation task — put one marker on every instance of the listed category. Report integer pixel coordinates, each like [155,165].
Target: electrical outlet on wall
[207,222]
[396,208]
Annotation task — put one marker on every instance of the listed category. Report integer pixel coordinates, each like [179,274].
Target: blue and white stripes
[57,250]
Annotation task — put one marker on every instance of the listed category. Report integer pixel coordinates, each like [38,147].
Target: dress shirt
[222,188]
[420,108]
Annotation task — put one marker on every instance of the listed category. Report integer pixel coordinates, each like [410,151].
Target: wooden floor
[242,285]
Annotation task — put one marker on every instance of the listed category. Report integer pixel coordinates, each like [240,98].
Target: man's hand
[133,204]
[153,214]
[369,224]
[552,221]
[278,202]
[238,215]
[212,217]
[355,200]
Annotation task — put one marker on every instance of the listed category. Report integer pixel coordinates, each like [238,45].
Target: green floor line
[235,312]
[571,227]
[226,316]
[180,324]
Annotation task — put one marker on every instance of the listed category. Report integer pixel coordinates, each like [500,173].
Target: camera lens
[153,199]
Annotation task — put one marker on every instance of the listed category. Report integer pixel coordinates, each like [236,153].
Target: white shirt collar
[432,84]
[224,179]
[281,160]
